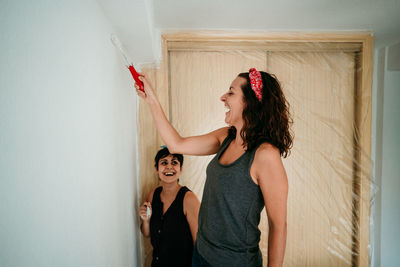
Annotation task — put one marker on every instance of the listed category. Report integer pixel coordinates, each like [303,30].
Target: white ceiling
[144,20]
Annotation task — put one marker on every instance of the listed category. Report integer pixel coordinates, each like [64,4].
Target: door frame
[359,42]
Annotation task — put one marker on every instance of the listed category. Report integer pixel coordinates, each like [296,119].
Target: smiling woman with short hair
[170,213]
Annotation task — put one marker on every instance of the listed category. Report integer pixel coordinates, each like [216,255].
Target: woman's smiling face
[233,100]
[169,169]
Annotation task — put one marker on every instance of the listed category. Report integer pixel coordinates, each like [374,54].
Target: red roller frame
[135,76]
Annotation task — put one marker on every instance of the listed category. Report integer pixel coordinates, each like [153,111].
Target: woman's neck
[238,138]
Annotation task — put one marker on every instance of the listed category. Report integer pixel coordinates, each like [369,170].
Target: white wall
[133,20]
[385,153]
[67,145]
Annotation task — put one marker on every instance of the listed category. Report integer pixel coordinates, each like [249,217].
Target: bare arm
[191,206]
[272,179]
[206,144]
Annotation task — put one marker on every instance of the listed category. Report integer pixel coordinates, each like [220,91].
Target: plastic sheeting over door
[324,168]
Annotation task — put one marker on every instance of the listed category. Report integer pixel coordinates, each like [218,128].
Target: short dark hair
[164,152]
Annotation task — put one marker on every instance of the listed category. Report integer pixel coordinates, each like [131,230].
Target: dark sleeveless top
[170,233]
[229,214]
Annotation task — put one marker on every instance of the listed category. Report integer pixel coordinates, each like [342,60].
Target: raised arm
[206,144]
[271,177]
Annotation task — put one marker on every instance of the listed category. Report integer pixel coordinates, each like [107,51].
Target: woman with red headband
[245,175]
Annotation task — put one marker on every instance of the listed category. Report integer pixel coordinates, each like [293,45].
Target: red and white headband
[256,82]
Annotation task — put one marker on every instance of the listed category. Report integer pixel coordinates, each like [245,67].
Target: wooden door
[321,87]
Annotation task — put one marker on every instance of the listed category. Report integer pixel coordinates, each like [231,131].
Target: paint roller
[128,61]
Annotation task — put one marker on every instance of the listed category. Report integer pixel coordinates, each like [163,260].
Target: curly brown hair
[267,120]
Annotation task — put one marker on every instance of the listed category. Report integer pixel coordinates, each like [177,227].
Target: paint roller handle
[135,76]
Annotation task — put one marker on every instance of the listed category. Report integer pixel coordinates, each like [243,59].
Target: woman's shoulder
[266,146]
[190,199]
[189,195]
[267,152]
[268,165]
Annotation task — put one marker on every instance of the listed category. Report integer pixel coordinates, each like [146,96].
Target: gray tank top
[229,214]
